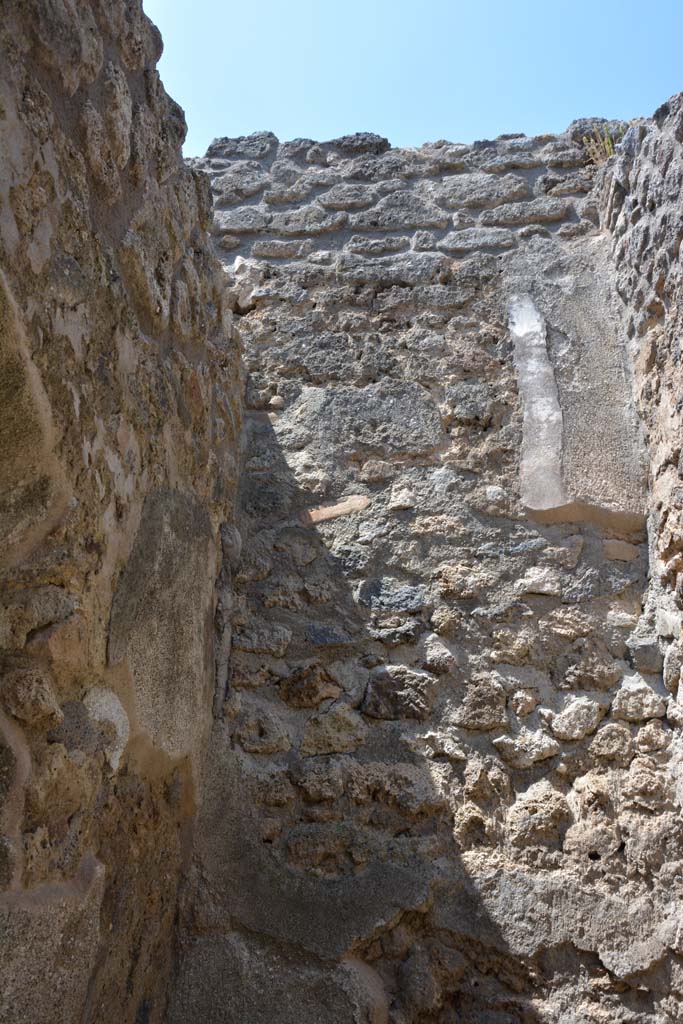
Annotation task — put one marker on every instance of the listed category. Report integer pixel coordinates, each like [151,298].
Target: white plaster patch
[105,707]
[541,457]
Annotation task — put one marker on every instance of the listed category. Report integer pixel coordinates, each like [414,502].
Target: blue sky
[414,71]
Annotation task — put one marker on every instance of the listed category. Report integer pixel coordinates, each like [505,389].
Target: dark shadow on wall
[327,884]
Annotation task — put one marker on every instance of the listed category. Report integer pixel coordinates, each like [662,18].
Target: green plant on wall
[600,145]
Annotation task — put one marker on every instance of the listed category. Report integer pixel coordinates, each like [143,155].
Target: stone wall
[444,785]
[429,584]
[641,201]
[119,420]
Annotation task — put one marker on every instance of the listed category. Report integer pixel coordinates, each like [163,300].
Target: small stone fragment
[471,239]
[28,695]
[637,701]
[478,190]
[437,656]
[538,211]
[541,580]
[612,743]
[352,677]
[282,249]
[402,498]
[401,210]
[320,781]
[335,731]
[483,706]
[306,687]
[396,691]
[387,594]
[348,197]
[580,717]
[620,550]
[538,816]
[673,663]
[261,733]
[653,736]
[645,651]
[375,471]
[441,744]
[526,748]
[523,702]
[261,637]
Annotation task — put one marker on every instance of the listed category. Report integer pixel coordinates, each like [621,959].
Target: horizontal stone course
[337,197]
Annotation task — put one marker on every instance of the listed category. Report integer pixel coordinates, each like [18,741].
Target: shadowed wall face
[119,402]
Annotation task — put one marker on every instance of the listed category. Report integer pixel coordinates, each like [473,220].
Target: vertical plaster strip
[541,457]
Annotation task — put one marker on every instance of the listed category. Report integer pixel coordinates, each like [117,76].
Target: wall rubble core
[452,709]
[341,587]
